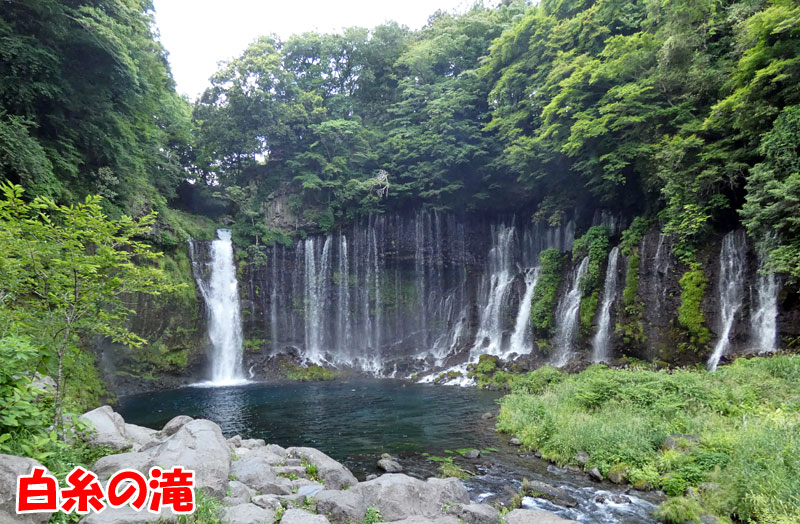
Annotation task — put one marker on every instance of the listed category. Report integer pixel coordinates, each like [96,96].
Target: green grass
[312,372]
[745,418]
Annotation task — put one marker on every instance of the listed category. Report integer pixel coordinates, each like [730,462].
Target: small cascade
[496,287]
[731,290]
[216,279]
[764,320]
[602,339]
[520,339]
[568,317]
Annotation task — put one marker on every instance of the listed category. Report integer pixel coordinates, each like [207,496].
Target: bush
[742,421]
[690,312]
[545,293]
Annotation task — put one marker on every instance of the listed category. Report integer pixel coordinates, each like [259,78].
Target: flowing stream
[602,339]
[216,279]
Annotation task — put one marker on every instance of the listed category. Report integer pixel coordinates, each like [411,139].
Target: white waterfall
[764,320]
[315,298]
[490,331]
[221,297]
[602,338]
[522,327]
[731,290]
[568,318]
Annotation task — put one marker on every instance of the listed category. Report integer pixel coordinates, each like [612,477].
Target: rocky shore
[258,483]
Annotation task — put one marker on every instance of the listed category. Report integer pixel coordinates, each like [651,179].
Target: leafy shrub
[545,293]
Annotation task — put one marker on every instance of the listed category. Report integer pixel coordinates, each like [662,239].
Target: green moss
[545,293]
[588,310]
[253,345]
[690,314]
[312,372]
[448,469]
[630,324]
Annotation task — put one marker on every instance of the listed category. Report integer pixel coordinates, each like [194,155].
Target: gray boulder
[271,502]
[238,493]
[128,515]
[301,516]
[472,454]
[171,427]
[139,435]
[272,458]
[475,513]
[107,428]
[12,467]
[257,473]
[291,471]
[445,519]
[332,474]
[341,506]
[247,514]
[389,465]
[532,516]
[197,445]
[253,443]
[535,488]
[277,450]
[399,496]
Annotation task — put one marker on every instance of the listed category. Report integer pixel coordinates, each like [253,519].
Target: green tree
[72,272]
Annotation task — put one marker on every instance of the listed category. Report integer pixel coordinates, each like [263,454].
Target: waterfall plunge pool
[354,421]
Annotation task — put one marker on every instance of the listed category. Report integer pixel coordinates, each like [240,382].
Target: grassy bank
[725,443]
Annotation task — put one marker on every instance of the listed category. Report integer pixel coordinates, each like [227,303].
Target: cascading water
[764,320]
[602,339]
[395,294]
[731,290]
[567,318]
[219,288]
[497,283]
[522,327]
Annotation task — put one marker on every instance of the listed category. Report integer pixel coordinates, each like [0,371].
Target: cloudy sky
[200,33]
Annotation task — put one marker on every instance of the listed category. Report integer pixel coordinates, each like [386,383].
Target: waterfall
[402,293]
[490,331]
[522,327]
[731,290]
[568,317]
[221,296]
[764,321]
[317,279]
[602,338]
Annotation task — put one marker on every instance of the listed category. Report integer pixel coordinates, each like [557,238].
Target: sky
[198,34]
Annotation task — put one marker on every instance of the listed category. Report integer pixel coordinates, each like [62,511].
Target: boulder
[139,435]
[472,454]
[595,474]
[271,502]
[12,467]
[389,465]
[301,516]
[257,473]
[444,519]
[332,474]
[277,450]
[341,506]
[515,441]
[475,513]
[532,516]
[171,427]
[307,488]
[197,445]
[238,493]
[107,428]
[291,471]
[247,514]
[128,515]
[253,443]
[582,458]
[399,496]
[536,488]
[273,459]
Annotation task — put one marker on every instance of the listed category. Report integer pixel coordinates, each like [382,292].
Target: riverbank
[247,481]
[725,443]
